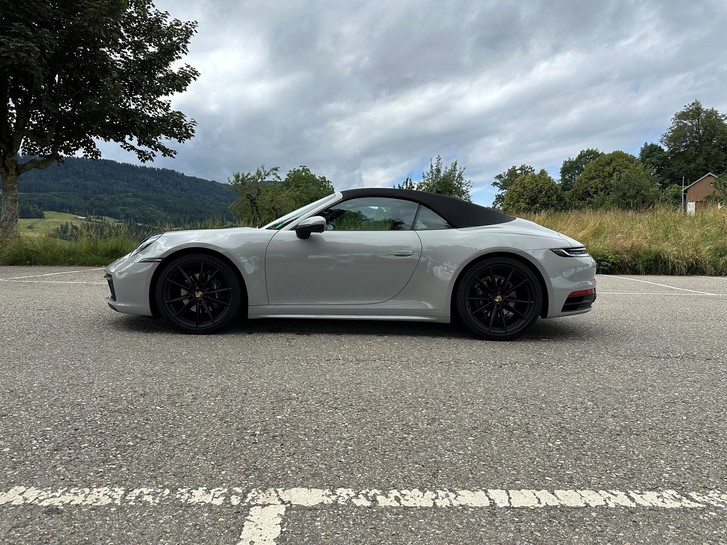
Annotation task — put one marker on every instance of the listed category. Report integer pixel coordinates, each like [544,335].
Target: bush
[532,193]
[614,180]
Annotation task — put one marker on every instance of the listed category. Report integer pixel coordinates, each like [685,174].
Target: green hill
[86,187]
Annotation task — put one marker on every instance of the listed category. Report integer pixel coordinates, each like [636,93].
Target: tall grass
[47,250]
[658,241]
[96,242]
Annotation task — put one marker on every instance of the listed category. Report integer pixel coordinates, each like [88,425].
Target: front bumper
[129,282]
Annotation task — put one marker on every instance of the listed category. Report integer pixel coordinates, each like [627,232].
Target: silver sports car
[380,254]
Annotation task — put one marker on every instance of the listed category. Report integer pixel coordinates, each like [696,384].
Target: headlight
[578,251]
[144,245]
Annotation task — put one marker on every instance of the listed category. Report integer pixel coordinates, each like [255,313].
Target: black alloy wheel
[198,293]
[499,298]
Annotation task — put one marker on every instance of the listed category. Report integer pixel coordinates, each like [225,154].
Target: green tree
[672,196]
[656,160]
[256,193]
[696,142]
[531,193]
[78,71]
[301,187]
[406,184]
[572,167]
[262,196]
[504,180]
[614,180]
[444,180]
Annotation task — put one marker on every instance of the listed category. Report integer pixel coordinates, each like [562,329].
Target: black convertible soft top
[457,212]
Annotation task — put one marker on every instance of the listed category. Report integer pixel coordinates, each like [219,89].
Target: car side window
[371,214]
[428,220]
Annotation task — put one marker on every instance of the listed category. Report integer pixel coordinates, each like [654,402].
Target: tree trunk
[10,210]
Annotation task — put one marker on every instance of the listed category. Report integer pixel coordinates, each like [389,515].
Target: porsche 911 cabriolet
[378,254]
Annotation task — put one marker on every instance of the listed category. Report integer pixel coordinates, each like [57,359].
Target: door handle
[400,253]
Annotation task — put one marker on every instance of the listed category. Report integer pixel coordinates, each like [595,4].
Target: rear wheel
[498,298]
[198,293]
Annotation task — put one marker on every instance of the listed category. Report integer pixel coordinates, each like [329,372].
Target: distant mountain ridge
[123,191]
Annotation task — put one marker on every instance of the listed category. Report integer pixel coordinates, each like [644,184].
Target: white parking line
[41,278]
[53,274]
[657,284]
[28,278]
[263,524]
[13,281]
[660,294]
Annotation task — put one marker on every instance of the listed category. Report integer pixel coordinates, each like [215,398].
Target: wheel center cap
[199,294]
[498,298]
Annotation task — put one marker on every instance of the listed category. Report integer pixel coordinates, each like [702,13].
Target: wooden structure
[695,193]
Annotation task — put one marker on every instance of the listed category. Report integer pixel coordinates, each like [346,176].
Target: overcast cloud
[366,93]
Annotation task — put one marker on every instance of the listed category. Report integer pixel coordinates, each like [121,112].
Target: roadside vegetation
[624,208]
[658,241]
[63,239]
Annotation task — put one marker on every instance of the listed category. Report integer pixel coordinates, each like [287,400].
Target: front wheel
[498,298]
[198,293]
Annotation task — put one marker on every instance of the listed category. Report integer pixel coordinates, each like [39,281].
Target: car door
[367,255]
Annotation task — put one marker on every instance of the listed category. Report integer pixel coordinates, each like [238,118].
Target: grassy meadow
[658,241]
[37,227]
[38,249]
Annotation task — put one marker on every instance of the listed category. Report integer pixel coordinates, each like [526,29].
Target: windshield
[289,218]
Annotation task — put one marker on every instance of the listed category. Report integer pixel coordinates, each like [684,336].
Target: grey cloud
[367,92]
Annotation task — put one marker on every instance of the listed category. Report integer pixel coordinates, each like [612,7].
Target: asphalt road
[116,429]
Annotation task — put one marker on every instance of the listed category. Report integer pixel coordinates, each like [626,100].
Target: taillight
[579,300]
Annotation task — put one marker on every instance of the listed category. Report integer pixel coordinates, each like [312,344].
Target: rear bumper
[579,301]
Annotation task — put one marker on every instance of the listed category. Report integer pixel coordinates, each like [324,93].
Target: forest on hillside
[127,192]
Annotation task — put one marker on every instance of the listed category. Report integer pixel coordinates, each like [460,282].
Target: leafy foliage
[504,180]
[572,167]
[30,210]
[672,196]
[262,196]
[614,180]
[696,142]
[101,187]
[532,193]
[408,183]
[75,72]
[445,180]
[656,160]
[301,187]
[441,180]
[255,194]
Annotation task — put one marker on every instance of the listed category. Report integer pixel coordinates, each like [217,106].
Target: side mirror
[314,224]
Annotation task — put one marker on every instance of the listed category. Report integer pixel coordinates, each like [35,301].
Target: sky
[366,93]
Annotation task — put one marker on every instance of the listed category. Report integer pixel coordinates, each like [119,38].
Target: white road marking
[9,280]
[41,278]
[657,284]
[49,274]
[662,294]
[263,524]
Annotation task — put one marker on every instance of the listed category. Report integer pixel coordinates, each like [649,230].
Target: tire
[198,293]
[498,298]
